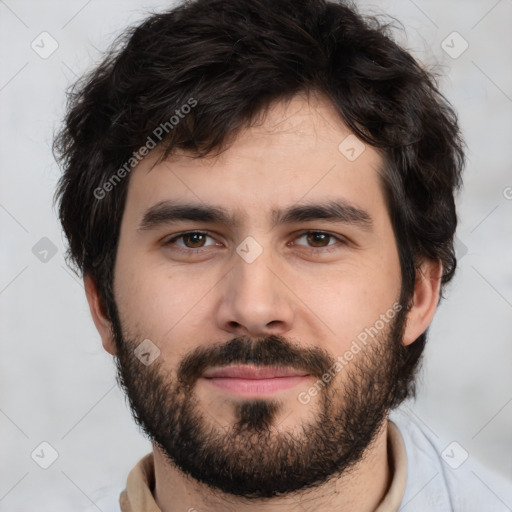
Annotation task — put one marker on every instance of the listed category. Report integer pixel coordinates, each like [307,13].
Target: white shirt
[443,477]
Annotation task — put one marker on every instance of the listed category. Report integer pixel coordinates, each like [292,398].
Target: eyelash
[199,250]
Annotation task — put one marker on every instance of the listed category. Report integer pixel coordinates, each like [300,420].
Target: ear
[425,300]
[99,317]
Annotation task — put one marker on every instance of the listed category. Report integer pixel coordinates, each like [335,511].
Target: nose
[255,300]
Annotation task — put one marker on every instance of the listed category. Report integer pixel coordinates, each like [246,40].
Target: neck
[360,489]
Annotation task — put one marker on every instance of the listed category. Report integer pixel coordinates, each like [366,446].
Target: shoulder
[443,476]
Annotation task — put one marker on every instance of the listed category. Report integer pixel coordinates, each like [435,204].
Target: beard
[252,458]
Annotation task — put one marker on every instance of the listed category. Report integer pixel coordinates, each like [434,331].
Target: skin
[294,288]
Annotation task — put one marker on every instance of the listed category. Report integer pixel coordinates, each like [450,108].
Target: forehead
[299,151]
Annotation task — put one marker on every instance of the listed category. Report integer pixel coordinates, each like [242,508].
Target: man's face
[314,296]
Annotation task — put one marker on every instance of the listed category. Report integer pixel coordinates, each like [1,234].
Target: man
[260,198]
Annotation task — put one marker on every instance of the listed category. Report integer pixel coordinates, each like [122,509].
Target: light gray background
[56,382]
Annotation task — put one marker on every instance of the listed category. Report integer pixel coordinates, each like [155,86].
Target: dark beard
[253,459]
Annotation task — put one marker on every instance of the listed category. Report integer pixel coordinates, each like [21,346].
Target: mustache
[270,350]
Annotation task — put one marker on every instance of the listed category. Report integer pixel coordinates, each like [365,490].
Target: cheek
[160,304]
[352,300]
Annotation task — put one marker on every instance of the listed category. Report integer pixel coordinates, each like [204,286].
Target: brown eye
[194,240]
[318,239]
[190,240]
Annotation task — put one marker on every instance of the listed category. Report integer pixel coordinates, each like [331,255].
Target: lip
[254,380]
[252,372]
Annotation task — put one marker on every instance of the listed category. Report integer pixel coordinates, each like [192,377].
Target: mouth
[254,380]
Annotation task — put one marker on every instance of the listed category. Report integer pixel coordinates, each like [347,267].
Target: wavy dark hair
[235,59]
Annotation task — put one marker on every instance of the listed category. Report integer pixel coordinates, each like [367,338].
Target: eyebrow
[338,211]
